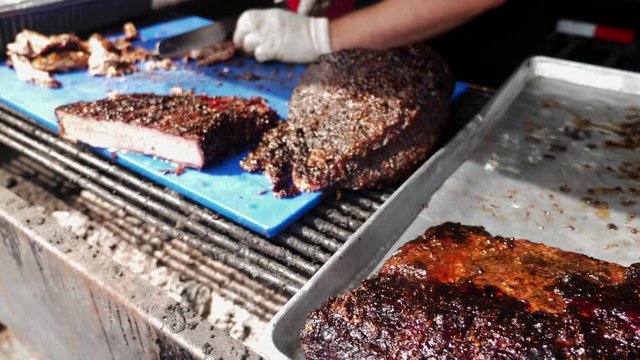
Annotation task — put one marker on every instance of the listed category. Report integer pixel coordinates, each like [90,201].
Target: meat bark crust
[192,130]
[358,119]
[457,292]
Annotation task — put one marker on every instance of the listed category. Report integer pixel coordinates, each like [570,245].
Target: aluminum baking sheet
[552,158]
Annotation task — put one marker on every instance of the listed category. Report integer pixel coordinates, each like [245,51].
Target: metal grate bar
[325,227]
[180,220]
[352,211]
[377,196]
[234,260]
[316,253]
[284,263]
[251,295]
[208,217]
[244,236]
[337,217]
[313,236]
[359,201]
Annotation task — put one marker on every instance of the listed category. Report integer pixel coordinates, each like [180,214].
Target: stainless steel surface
[205,36]
[536,163]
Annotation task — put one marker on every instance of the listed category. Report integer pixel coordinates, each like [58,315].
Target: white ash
[240,324]
[222,313]
[74,221]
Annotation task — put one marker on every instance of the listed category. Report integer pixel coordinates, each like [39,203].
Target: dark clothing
[488,49]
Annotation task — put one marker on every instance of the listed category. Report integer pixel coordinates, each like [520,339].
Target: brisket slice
[191,130]
[457,292]
[358,119]
[213,54]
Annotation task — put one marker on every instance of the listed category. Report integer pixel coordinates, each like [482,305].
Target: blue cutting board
[225,188]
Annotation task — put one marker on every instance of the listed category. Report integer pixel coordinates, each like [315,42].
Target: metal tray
[59,16]
[539,162]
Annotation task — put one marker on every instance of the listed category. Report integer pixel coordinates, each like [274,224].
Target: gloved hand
[276,34]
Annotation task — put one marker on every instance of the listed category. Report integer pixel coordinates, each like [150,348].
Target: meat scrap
[34,56]
[27,73]
[61,61]
[31,44]
[358,119]
[118,57]
[457,292]
[38,54]
[212,54]
[113,59]
[164,64]
[190,130]
[130,32]
[177,90]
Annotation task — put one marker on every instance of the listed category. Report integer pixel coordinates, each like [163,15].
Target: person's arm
[276,34]
[393,23]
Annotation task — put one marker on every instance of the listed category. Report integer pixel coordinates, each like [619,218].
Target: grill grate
[284,263]
[254,272]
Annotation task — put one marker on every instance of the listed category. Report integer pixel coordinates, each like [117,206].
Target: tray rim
[533,67]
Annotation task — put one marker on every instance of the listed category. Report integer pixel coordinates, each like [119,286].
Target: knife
[178,45]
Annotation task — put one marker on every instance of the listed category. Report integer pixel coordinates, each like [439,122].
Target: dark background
[488,49]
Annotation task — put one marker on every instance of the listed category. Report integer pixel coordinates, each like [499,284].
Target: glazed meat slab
[191,130]
[358,119]
[458,292]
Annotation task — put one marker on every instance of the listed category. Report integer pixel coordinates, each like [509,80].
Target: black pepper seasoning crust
[358,119]
[220,125]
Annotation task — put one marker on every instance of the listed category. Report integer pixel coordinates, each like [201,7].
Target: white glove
[276,34]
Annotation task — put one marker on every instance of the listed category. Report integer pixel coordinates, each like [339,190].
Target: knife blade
[178,45]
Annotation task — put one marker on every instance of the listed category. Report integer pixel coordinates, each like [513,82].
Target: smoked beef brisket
[192,130]
[457,292]
[358,119]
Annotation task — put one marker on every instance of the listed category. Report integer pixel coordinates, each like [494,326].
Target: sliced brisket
[213,54]
[358,119]
[191,130]
[457,292]
[113,59]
